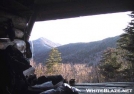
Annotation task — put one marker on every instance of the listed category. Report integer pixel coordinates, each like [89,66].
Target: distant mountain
[74,52]
[41,47]
[48,42]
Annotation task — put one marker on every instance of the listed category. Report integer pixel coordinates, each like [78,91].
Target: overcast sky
[81,29]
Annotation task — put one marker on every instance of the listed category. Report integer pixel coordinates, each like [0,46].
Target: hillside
[86,52]
[74,52]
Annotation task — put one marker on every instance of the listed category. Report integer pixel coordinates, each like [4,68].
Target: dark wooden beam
[82,8]
[30,25]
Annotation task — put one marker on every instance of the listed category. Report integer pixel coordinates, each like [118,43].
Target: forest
[116,64]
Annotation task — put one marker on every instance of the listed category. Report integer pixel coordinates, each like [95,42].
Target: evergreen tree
[118,64]
[126,42]
[54,61]
[109,66]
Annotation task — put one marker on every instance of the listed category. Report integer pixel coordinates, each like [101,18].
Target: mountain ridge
[89,52]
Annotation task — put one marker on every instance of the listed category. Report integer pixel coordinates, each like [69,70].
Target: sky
[81,29]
